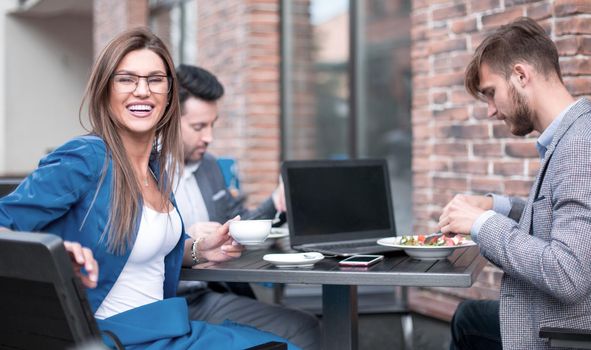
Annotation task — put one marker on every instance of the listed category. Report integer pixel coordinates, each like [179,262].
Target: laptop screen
[334,200]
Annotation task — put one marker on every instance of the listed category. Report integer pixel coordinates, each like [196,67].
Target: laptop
[338,207]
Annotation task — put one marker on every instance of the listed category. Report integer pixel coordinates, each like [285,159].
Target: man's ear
[521,74]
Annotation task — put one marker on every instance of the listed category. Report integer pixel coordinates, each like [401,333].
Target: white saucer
[423,252]
[294,260]
[278,232]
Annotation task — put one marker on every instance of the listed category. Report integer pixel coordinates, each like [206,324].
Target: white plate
[294,260]
[278,232]
[423,252]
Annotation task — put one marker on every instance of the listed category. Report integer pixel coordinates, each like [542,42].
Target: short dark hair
[522,40]
[198,82]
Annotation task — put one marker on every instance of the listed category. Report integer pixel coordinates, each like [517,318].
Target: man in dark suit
[205,203]
[542,244]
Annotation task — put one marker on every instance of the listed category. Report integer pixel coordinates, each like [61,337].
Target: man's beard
[522,116]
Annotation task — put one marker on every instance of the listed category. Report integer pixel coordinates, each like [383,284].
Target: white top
[142,280]
[189,198]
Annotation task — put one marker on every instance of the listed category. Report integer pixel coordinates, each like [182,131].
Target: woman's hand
[219,245]
[82,257]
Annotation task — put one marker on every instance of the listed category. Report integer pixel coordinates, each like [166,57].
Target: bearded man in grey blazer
[205,203]
[543,244]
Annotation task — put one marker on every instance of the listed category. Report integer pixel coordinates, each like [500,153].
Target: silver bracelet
[195,250]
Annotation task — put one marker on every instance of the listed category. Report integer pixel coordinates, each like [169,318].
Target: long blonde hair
[126,195]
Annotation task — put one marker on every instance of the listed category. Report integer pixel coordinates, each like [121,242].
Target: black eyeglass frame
[168,81]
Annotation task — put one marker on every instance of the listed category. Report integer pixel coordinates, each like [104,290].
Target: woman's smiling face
[138,108]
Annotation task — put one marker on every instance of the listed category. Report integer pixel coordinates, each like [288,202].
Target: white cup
[250,231]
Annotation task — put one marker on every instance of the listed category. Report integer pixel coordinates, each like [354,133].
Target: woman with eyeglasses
[108,194]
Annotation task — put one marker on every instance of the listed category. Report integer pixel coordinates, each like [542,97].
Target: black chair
[567,337]
[43,304]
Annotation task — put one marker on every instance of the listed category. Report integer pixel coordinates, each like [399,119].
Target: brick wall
[455,148]
[110,17]
[238,40]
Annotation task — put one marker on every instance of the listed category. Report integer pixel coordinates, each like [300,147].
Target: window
[175,22]
[346,86]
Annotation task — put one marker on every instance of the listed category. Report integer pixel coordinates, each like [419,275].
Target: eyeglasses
[126,83]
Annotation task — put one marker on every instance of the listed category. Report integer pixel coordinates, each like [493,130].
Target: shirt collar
[190,168]
[546,137]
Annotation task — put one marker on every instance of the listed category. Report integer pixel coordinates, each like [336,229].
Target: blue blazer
[63,197]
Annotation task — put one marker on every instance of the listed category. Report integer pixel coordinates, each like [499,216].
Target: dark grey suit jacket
[221,205]
[546,256]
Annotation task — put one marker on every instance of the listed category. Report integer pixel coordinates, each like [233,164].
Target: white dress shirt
[189,198]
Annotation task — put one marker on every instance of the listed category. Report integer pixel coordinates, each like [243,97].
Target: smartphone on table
[361,260]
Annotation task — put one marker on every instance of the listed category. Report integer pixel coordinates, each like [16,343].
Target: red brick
[419,198]
[422,132]
[510,3]
[484,5]
[484,185]
[420,82]
[502,131]
[421,115]
[464,25]
[498,19]
[480,112]
[573,25]
[539,11]
[508,168]
[447,12]
[490,149]
[476,167]
[447,80]
[585,45]
[533,167]
[575,66]
[450,183]
[422,181]
[570,7]
[418,33]
[521,149]
[441,197]
[439,46]
[480,131]
[451,61]
[568,46]
[578,85]
[422,149]
[419,49]
[454,149]
[460,97]
[438,97]
[458,114]
[419,4]
[420,66]
[438,32]
[419,18]
[420,99]
[519,188]
[422,165]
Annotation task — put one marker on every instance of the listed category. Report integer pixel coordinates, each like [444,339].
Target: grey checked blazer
[546,256]
[221,205]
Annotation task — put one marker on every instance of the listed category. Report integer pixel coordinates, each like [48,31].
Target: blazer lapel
[206,188]
[579,108]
